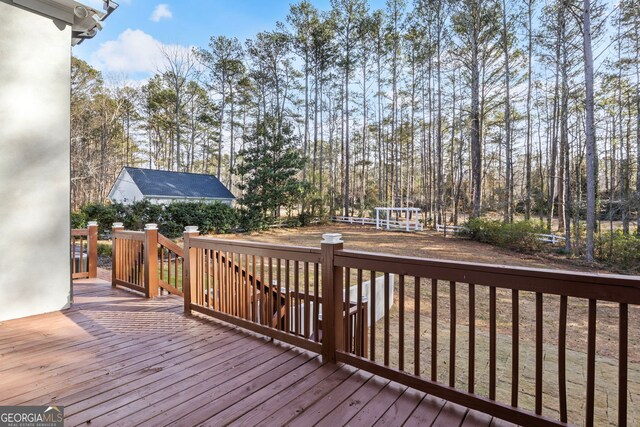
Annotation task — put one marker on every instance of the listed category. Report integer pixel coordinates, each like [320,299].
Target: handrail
[84,252]
[299,295]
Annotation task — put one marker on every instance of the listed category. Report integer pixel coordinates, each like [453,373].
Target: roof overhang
[85,21]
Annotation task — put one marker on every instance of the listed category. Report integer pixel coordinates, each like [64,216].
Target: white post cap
[118,225]
[191,229]
[332,238]
[92,223]
[151,226]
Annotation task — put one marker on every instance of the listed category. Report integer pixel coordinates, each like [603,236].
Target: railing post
[151,260]
[92,250]
[117,226]
[332,299]
[189,265]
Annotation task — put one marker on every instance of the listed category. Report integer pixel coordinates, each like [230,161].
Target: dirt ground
[429,244]
[424,244]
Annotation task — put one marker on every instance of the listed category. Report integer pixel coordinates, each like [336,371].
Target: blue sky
[128,44]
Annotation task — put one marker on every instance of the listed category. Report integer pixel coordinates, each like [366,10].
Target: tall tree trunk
[590,134]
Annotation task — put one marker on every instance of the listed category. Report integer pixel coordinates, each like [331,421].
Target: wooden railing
[505,341]
[84,252]
[495,301]
[171,264]
[270,289]
[146,261]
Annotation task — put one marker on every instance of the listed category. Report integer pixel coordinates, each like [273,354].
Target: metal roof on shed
[159,183]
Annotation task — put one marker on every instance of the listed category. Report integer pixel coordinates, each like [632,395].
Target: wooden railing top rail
[294,253]
[169,244]
[604,287]
[80,232]
[129,235]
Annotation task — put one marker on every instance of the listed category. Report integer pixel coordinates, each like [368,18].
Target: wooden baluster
[622,365]
[386,319]
[416,327]
[270,298]
[591,362]
[515,346]
[360,331]
[562,359]
[254,290]
[307,307]
[492,342]
[539,350]
[372,309]
[401,322]
[434,329]
[263,294]
[296,288]
[452,338]
[472,337]
[279,299]
[347,308]
[287,298]
[246,285]
[316,302]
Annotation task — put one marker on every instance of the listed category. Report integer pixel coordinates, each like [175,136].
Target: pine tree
[269,168]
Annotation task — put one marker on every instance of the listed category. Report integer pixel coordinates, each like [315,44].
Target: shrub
[78,220]
[520,235]
[172,218]
[104,249]
[621,251]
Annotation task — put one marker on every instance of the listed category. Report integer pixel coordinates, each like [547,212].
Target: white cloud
[161,12]
[133,52]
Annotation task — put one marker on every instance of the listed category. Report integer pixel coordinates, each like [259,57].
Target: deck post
[117,226]
[332,298]
[92,250]
[189,264]
[151,260]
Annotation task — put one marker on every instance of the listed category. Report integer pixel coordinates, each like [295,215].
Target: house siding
[35,163]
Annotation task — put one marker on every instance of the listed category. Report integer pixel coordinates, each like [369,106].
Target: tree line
[523,109]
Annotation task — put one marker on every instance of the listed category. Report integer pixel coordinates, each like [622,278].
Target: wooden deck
[116,358]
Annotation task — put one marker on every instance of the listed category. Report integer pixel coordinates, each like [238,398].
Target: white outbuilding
[164,187]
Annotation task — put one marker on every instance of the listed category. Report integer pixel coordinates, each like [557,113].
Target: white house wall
[124,190]
[34,164]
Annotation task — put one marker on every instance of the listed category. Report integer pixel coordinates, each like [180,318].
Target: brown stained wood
[287,299]
[286,404]
[254,291]
[492,343]
[348,337]
[623,360]
[361,330]
[434,329]
[316,303]
[211,399]
[170,368]
[354,403]
[603,287]
[293,253]
[450,415]
[539,352]
[416,326]
[515,346]
[591,363]
[476,419]
[307,301]
[452,338]
[401,409]
[328,405]
[386,316]
[426,412]
[372,308]
[472,338]
[562,359]
[378,405]
[296,289]
[401,304]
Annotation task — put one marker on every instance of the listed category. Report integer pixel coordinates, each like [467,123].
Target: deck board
[116,358]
